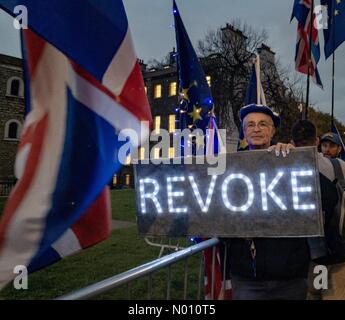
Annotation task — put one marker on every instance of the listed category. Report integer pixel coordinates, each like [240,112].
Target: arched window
[15,87]
[12,130]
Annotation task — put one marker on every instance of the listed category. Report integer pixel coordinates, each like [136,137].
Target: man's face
[330,149]
[258,130]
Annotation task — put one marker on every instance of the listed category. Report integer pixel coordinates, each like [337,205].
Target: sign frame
[218,220]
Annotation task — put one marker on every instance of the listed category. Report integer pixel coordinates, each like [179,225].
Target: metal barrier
[148,269]
[173,244]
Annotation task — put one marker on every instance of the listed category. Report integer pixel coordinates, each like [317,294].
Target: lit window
[128,179]
[158,91]
[157,124]
[141,153]
[171,152]
[171,123]
[156,153]
[208,79]
[115,180]
[172,89]
[128,160]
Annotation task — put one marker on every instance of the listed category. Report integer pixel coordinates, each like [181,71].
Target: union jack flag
[303,12]
[84,86]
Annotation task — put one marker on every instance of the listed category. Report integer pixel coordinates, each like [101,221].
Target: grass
[123,205]
[123,250]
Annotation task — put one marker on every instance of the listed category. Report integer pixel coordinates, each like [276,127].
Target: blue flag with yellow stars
[196,111]
[196,103]
[334,34]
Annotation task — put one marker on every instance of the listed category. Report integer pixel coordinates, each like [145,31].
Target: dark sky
[151,25]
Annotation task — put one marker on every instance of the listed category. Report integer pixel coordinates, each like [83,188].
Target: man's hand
[283,148]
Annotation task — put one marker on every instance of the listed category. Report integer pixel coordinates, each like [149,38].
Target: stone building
[11,113]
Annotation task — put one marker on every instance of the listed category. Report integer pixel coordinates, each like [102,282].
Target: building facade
[11,113]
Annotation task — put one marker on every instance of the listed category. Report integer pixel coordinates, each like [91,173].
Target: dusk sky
[153,34]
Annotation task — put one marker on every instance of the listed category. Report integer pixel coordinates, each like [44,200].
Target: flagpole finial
[174,7]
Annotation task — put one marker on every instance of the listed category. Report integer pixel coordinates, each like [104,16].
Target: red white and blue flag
[222,287]
[84,85]
[303,12]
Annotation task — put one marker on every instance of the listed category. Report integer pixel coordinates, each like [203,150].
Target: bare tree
[229,52]
[159,64]
[283,93]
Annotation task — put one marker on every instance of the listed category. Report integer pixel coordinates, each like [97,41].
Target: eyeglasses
[262,125]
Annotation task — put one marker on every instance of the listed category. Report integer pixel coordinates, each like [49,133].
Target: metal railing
[147,270]
[172,244]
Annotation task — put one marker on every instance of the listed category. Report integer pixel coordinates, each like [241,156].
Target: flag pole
[333,67]
[333,73]
[309,58]
[258,79]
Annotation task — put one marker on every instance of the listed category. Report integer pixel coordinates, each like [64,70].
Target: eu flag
[196,103]
[334,34]
[196,111]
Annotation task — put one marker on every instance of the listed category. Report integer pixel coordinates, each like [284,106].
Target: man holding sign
[266,268]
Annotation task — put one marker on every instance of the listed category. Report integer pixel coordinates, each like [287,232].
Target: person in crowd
[303,135]
[331,145]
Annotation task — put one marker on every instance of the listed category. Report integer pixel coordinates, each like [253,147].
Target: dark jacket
[277,258]
[335,244]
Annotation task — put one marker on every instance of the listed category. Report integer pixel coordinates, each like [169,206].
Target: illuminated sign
[258,195]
